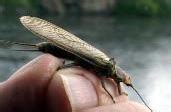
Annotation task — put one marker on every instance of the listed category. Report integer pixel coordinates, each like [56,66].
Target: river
[141,46]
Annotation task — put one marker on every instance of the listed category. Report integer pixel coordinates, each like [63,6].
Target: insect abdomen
[47,47]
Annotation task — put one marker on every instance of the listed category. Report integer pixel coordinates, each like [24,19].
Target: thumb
[75,89]
[69,91]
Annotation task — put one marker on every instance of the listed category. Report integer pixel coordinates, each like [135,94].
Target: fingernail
[80,91]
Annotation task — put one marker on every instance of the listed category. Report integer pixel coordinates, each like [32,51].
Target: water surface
[141,46]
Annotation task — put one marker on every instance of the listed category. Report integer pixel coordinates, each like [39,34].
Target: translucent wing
[65,40]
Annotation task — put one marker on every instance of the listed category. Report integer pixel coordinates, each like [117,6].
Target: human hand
[38,87]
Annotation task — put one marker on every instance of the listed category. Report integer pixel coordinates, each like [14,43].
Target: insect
[63,44]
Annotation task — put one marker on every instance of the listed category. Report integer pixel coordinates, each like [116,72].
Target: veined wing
[65,40]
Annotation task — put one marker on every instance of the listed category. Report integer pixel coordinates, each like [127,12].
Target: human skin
[40,87]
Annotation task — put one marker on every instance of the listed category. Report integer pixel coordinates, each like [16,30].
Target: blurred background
[136,32]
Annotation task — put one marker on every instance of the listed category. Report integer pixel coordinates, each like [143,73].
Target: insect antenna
[17,43]
[21,44]
[140,97]
[29,50]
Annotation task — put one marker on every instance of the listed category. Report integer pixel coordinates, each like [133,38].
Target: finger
[43,66]
[74,89]
[69,91]
[103,96]
[120,107]
[26,88]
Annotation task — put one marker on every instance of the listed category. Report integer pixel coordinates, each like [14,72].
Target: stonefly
[63,44]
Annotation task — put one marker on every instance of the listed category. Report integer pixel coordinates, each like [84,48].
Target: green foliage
[142,7]
[11,5]
[15,3]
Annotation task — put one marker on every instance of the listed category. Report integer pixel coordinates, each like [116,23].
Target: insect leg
[113,61]
[70,65]
[119,88]
[103,86]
